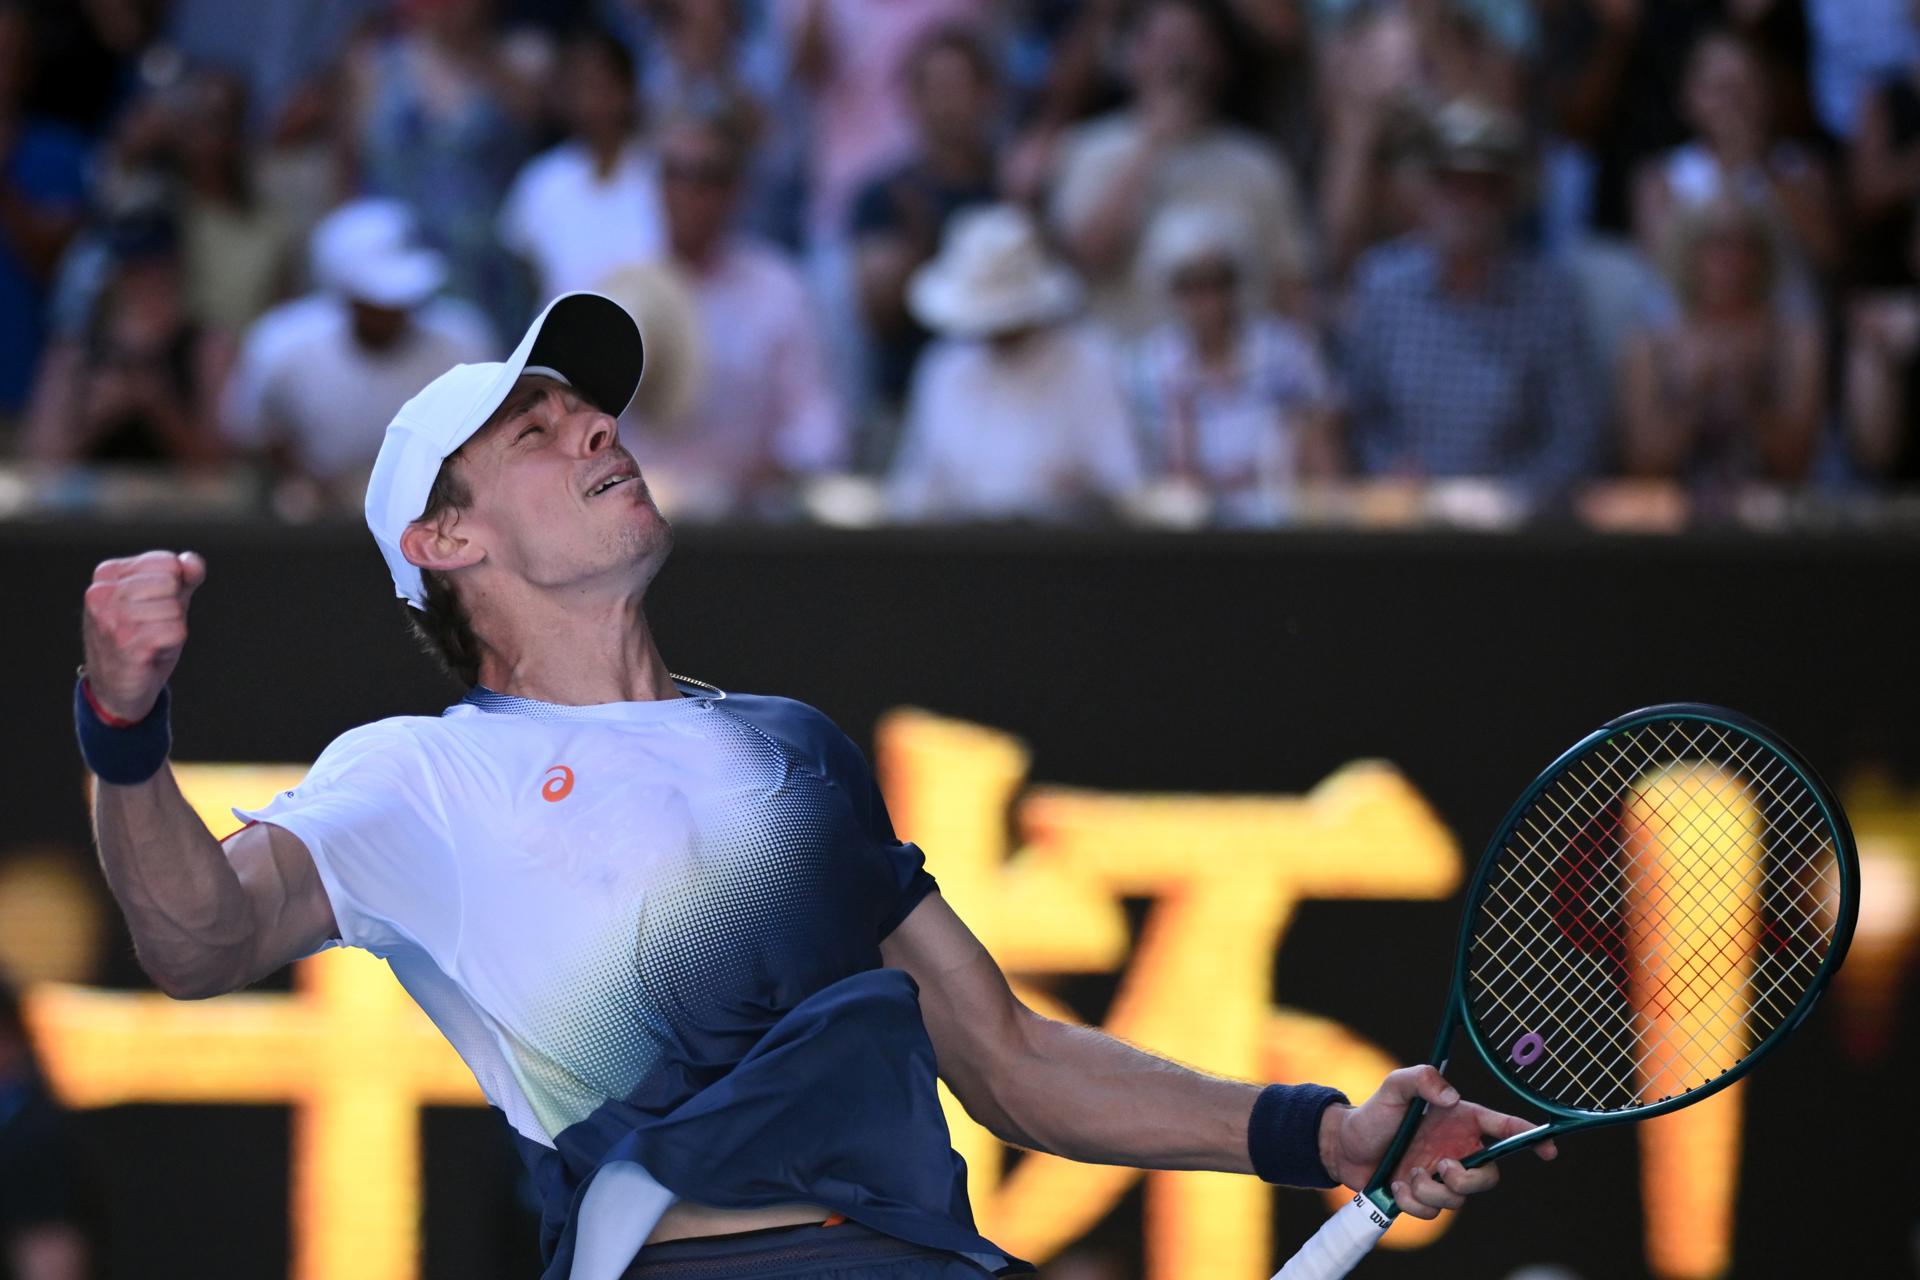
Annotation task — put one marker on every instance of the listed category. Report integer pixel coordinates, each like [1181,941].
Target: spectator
[851,55]
[1731,393]
[703,54]
[1465,353]
[1014,413]
[442,124]
[1059,72]
[1613,71]
[899,217]
[379,227]
[1169,146]
[139,384]
[592,203]
[237,248]
[1735,148]
[763,413]
[1883,378]
[320,377]
[1375,102]
[1236,401]
[42,1198]
[42,194]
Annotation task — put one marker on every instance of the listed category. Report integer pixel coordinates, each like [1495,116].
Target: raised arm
[1079,1093]
[205,919]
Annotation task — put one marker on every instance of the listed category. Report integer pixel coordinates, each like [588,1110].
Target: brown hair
[442,626]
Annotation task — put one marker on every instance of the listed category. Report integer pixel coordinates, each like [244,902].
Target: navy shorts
[847,1251]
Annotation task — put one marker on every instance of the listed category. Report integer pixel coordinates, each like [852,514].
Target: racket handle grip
[1340,1243]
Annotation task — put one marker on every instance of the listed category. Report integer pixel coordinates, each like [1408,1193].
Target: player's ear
[439,544]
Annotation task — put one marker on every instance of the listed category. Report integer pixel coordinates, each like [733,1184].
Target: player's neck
[578,660]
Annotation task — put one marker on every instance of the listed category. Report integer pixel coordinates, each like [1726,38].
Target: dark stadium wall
[1126,663]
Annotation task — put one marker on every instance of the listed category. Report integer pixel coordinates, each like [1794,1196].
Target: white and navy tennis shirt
[652,931]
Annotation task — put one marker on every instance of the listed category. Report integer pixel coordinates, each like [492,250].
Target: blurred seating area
[1636,264]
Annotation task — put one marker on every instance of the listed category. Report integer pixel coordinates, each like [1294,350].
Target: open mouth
[611,482]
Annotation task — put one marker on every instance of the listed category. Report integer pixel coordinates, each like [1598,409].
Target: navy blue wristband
[126,756]
[1284,1135]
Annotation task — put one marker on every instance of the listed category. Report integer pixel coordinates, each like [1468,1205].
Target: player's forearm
[1079,1093]
[184,904]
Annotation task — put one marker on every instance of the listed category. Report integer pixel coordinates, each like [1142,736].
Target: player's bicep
[977,1025]
[291,914]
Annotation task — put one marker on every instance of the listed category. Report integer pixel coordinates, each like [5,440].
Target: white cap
[585,339]
[368,250]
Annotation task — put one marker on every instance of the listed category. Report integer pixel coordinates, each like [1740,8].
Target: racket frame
[1569,1119]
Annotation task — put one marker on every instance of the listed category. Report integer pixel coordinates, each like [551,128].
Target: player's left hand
[1353,1141]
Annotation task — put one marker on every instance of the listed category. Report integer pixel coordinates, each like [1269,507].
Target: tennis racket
[1655,914]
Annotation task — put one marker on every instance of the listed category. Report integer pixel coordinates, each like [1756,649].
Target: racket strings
[1698,976]
[1663,904]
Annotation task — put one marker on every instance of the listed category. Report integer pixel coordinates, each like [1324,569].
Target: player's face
[557,500]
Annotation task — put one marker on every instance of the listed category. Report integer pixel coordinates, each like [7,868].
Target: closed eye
[531,428]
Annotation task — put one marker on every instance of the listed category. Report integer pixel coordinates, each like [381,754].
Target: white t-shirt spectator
[302,379]
[1028,434]
[575,226]
[763,404]
[1224,165]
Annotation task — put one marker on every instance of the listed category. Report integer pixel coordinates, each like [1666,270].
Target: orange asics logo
[559,783]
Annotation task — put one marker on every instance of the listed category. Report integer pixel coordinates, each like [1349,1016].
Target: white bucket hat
[586,340]
[993,274]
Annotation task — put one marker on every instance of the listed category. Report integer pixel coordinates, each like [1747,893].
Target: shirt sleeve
[906,863]
[370,814]
[823,749]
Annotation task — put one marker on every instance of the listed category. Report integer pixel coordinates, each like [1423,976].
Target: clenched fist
[135,625]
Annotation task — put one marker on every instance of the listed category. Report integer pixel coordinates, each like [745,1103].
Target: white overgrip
[1337,1247]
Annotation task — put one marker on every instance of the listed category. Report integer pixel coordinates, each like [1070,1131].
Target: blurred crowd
[1185,261]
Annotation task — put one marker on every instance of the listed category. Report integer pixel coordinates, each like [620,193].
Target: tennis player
[669,928]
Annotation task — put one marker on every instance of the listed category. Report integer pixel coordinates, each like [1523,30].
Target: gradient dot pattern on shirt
[767,883]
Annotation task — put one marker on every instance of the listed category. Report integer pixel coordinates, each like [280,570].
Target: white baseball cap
[368,250]
[586,340]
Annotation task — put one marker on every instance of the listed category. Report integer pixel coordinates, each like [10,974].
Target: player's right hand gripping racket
[1658,910]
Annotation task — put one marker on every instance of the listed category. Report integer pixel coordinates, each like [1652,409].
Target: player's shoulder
[775,709]
[804,728]
[286,329]
[392,743]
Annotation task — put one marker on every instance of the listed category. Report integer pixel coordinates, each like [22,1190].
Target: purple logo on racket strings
[1528,1049]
